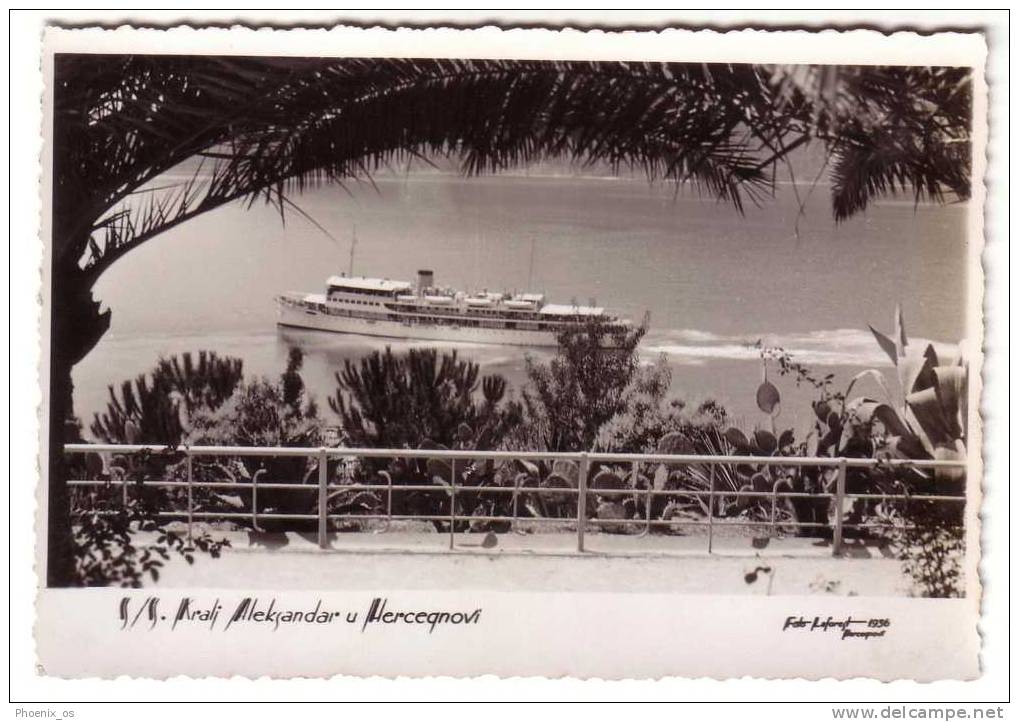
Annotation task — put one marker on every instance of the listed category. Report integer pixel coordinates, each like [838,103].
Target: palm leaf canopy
[268,127]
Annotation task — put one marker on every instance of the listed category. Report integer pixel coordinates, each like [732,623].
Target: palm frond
[272,127]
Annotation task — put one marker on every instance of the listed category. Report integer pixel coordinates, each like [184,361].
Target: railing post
[389,501]
[774,508]
[452,500]
[711,508]
[840,496]
[191,498]
[650,497]
[254,500]
[323,497]
[585,468]
[516,501]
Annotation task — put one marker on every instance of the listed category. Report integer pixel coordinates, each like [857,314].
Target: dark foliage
[425,400]
[205,384]
[932,547]
[394,401]
[108,549]
[149,411]
[265,413]
[569,399]
[145,413]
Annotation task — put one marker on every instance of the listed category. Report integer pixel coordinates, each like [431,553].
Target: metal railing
[326,489]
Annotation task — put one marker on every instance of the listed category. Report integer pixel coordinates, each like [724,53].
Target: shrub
[398,401]
[264,413]
[185,402]
[932,546]
[106,547]
[585,385]
[154,409]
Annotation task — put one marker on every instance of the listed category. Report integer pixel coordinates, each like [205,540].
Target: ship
[424,311]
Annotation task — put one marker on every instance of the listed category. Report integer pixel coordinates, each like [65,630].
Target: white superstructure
[398,309]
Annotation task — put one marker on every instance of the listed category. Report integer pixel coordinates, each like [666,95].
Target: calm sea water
[711,279]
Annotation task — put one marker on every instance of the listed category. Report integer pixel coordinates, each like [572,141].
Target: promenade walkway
[541,562]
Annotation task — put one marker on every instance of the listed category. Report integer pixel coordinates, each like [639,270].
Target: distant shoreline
[443,174]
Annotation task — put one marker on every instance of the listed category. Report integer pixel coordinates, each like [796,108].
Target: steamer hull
[298,317]
[396,309]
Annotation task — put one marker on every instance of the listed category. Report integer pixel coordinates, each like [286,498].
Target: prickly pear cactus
[568,470]
[674,443]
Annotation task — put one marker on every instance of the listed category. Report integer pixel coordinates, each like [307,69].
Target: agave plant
[932,420]
[692,481]
[925,419]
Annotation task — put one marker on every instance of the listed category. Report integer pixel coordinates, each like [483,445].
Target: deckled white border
[739,46]
[827,47]
[855,47]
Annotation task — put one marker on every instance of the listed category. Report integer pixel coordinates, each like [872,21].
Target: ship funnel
[425,280]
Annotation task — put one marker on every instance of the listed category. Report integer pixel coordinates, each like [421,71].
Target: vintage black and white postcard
[525,353]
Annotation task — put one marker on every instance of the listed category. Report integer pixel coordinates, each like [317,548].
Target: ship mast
[478,240]
[530,268]
[353,245]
